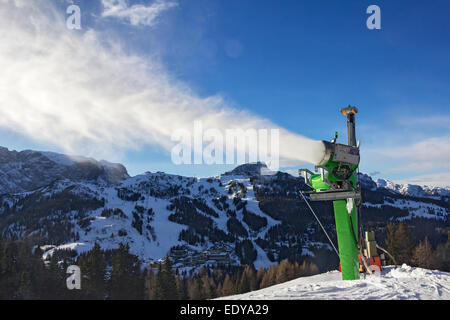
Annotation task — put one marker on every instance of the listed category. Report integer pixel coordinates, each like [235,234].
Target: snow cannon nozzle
[349,110]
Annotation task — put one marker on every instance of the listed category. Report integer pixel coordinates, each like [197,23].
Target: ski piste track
[393,283]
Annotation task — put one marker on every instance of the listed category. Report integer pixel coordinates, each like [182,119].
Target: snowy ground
[399,283]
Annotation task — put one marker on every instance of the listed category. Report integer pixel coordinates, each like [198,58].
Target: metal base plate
[334,195]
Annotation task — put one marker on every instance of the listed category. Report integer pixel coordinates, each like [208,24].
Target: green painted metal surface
[348,250]
[318,184]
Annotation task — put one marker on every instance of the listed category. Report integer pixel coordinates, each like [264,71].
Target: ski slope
[401,283]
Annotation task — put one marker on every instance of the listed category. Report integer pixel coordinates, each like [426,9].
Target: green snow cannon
[337,182]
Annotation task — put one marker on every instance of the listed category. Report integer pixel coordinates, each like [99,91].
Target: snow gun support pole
[337,181]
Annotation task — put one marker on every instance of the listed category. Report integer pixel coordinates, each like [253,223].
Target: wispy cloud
[66,89]
[434,121]
[137,14]
[427,154]
[436,180]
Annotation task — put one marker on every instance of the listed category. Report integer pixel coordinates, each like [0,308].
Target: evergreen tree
[126,282]
[151,284]
[54,280]
[154,290]
[195,289]
[166,281]
[443,252]
[8,266]
[236,279]
[182,288]
[93,268]
[399,242]
[248,281]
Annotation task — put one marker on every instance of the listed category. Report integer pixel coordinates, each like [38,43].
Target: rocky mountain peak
[28,170]
[248,170]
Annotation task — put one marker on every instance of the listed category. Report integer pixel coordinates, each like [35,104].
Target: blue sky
[297,63]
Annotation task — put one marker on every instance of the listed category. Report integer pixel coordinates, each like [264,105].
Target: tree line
[106,274]
[166,284]
[401,245]
[118,274]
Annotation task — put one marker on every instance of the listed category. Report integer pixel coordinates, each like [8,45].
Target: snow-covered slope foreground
[401,283]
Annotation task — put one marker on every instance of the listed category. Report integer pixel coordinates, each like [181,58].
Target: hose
[390,256]
[359,247]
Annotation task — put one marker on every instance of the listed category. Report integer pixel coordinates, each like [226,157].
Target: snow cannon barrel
[338,153]
[340,161]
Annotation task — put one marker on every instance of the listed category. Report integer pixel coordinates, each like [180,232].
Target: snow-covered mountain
[413,190]
[406,189]
[394,283]
[28,170]
[240,217]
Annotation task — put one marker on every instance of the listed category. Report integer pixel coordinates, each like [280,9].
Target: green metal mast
[348,249]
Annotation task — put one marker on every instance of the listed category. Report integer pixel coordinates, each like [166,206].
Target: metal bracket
[306,171]
[335,195]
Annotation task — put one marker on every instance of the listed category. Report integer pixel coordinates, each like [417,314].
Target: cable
[390,256]
[353,233]
[329,239]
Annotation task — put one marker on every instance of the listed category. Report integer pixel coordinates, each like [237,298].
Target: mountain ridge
[72,167]
[240,217]
[27,170]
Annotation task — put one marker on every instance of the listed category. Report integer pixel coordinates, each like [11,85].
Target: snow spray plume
[78,92]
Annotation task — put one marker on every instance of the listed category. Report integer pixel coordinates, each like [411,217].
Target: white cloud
[436,180]
[17,3]
[136,14]
[430,153]
[66,89]
[430,121]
